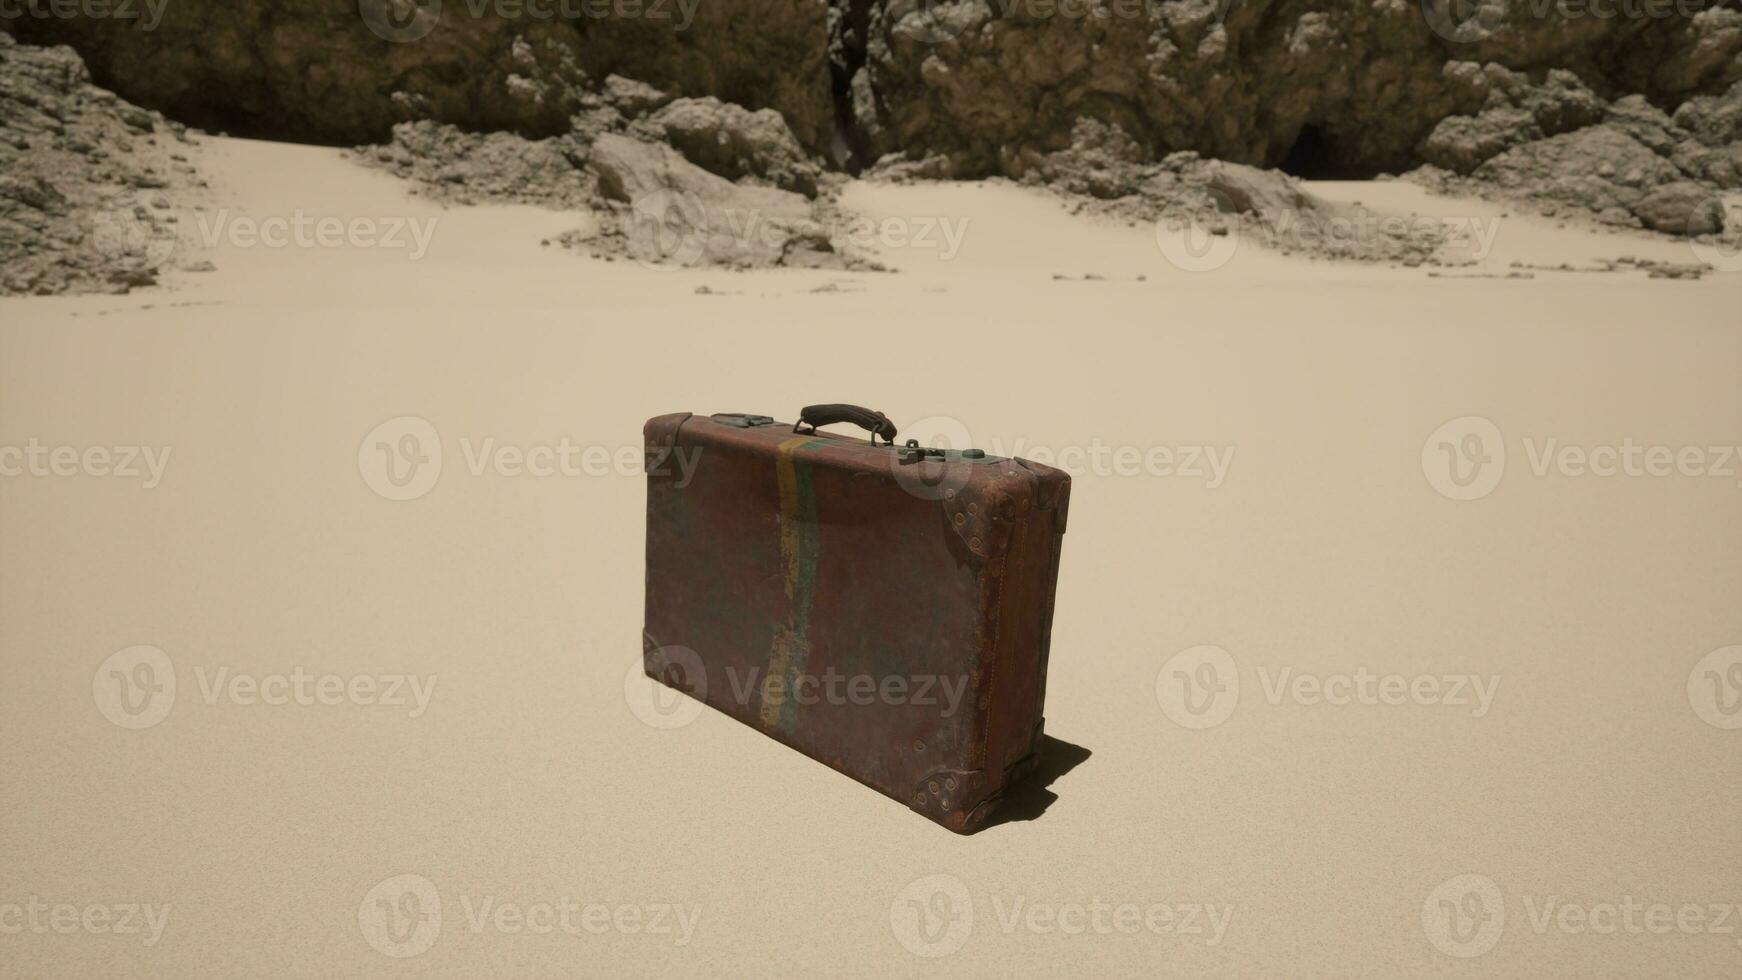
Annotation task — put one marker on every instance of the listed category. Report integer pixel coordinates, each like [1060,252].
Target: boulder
[1463,143]
[1597,168]
[674,212]
[1681,208]
[735,142]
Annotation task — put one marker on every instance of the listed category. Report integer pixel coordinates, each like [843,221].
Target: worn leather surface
[811,556]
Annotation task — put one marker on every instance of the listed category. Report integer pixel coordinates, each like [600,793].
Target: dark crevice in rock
[849,24]
[1315,155]
[1309,157]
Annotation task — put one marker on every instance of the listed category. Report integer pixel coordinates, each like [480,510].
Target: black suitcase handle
[874,422]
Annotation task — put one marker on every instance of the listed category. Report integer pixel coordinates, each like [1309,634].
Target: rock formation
[1319,87]
[88,182]
[344,71]
[1628,112]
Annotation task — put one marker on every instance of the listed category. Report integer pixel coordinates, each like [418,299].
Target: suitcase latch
[913,452]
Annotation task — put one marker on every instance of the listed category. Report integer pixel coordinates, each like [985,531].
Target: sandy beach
[1469,619]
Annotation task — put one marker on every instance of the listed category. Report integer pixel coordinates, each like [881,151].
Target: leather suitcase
[884,609]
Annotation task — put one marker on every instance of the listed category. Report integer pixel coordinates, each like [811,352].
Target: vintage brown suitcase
[884,609]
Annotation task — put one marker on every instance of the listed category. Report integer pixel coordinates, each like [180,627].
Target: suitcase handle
[875,422]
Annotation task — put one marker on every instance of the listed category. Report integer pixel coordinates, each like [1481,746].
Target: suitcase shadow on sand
[1028,799]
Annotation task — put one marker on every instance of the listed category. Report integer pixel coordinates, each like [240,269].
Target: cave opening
[848,148]
[1311,156]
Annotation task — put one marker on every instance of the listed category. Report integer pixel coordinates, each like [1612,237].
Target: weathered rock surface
[88,183]
[1625,162]
[457,167]
[1322,86]
[734,142]
[1326,88]
[1597,167]
[667,210]
[650,203]
[1681,208]
[1516,112]
[1190,201]
[344,71]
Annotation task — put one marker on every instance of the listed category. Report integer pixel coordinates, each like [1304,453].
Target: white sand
[528,780]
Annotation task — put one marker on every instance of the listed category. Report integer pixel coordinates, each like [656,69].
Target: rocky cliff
[344,71]
[1322,88]
[1319,87]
